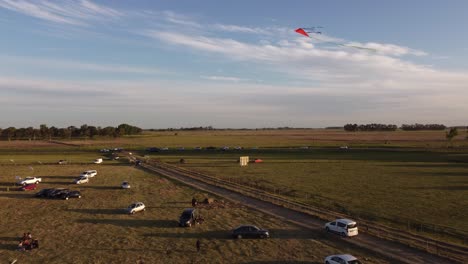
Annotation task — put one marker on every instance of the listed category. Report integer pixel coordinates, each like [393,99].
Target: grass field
[95,230]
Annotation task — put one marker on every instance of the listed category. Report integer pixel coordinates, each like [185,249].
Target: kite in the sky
[313,31]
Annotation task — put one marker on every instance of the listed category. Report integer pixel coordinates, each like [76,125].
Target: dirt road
[391,250]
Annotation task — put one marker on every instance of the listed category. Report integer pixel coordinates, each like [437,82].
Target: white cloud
[235,28]
[222,78]
[74,13]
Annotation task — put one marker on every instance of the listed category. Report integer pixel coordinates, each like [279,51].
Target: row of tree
[414,127]
[84,131]
[384,127]
[370,127]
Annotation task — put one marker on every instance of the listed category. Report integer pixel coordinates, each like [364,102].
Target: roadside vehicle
[89,173]
[249,231]
[62,162]
[98,161]
[188,217]
[29,180]
[135,207]
[70,194]
[152,149]
[81,179]
[28,187]
[344,227]
[45,192]
[125,185]
[342,259]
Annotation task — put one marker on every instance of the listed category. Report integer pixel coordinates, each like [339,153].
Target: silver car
[135,207]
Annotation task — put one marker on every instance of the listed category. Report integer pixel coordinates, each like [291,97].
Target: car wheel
[343,234]
[326,262]
[37,182]
[132,212]
[79,197]
[239,236]
[327,229]
[66,198]
[262,236]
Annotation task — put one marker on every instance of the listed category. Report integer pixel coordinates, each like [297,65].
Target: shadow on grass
[9,239]
[8,184]
[17,195]
[226,234]
[58,177]
[132,222]
[282,262]
[100,187]
[442,188]
[98,211]
[458,174]
[429,165]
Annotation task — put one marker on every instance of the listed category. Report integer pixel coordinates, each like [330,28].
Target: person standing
[198,245]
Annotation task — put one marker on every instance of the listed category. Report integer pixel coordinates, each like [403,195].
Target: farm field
[392,186]
[94,229]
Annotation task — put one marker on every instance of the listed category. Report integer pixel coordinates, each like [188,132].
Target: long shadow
[450,165]
[18,195]
[226,234]
[58,177]
[9,246]
[100,187]
[60,182]
[165,207]
[457,174]
[8,184]
[97,211]
[282,262]
[10,239]
[442,188]
[132,222]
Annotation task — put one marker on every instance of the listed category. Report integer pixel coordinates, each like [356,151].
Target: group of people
[27,242]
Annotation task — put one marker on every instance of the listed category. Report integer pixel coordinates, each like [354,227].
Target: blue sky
[159,64]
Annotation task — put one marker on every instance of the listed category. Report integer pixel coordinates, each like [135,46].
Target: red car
[28,187]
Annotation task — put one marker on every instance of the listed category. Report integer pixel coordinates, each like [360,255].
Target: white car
[98,161]
[344,227]
[89,173]
[29,180]
[342,259]
[125,185]
[82,179]
[135,207]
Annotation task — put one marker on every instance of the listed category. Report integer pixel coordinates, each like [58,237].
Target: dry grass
[94,229]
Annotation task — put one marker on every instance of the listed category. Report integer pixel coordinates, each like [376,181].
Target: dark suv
[249,231]
[188,217]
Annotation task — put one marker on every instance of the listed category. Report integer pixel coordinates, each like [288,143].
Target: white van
[98,161]
[344,227]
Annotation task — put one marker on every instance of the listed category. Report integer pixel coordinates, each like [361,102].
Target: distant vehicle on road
[135,207]
[249,231]
[89,173]
[342,259]
[98,161]
[62,162]
[28,187]
[344,227]
[125,185]
[81,179]
[29,180]
[153,149]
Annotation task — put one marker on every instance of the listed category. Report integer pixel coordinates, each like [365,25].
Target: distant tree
[453,132]
[92,131]
[9,133]
[84,131]
[44,130]
[29,132]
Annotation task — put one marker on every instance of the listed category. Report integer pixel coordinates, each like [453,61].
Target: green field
[94,229]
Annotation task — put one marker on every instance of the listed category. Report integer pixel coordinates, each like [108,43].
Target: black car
[70,194]
[45,192]
[153,149]
[188,217]
[249,231]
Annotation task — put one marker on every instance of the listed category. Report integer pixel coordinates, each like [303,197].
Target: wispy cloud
[236,28]
[223,78]
[70,12]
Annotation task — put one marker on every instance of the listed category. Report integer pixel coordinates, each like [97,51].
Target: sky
[232,64]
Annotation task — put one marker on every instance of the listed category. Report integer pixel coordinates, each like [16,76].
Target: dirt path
[394,251]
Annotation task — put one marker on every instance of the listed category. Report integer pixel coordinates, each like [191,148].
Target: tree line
[390,127]
[84,131]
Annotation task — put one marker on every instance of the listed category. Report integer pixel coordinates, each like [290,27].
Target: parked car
[249,231]
[29,180]
[98,161]
[342,259]
[89,173]
[135,207]
[45,192]
[188,217]
[210,148]
[344,227]
[62,162]
[198,148]
[70,194]
[60,193]
[81,179]
[153,149]
[125,185]
[28,187]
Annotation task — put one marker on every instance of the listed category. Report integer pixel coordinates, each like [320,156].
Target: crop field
[94,229]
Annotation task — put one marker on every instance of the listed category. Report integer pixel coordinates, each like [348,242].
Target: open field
[273,138]
[94,229]
[394,186]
